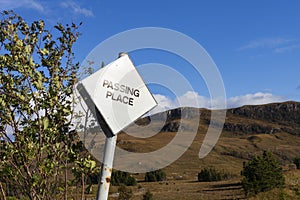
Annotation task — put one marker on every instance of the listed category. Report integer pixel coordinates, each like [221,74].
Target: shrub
[261,174]
[211,174]
[297,192]
[148,196]
[154,176]
[297,162]
[119,178]
[150,177]
[125,193]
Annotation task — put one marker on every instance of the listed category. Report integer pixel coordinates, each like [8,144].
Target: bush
[261,174]
[297,162]
[297,192]
[211,174]
[148,196]
[154,176]
[124,192]
[119,178]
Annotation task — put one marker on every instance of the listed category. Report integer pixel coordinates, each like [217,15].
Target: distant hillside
[268,118]
[247,131]
[287,113]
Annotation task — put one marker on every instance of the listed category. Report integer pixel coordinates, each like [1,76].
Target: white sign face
[119,93]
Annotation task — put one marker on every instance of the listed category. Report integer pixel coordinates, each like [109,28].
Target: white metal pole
[107,164]
[106,168]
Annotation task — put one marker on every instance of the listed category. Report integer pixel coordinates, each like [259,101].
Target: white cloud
[189,99]
[253,99]
[77,9]
[266,43]
[14,4]
[35,5]
[193,99]
[164,103]
[47,7]
[276,45]
[286,48]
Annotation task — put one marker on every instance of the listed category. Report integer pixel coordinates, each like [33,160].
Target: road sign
[119,93]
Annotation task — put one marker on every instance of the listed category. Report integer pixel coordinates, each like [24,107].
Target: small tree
[157,175]
[261,174]
[37,77]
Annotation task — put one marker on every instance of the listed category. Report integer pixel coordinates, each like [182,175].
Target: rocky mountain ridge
[265,119]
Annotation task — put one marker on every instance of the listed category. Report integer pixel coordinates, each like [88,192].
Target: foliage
[211,174]
[261,174]
[37,77]
[122,178]
[125,193]
[84,169]
[297,162]
[297,192]
[157,175]
[148,196]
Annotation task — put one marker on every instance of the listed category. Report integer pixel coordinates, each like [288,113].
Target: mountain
[286,115]
[268,118]
[247,131]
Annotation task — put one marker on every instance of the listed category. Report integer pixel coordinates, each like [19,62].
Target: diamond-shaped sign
[119,93]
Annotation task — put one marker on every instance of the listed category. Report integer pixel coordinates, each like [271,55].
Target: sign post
[119,97]
[106,168]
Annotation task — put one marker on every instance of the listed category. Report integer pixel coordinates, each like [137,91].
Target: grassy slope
[232,149]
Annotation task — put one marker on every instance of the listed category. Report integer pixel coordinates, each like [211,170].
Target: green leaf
[45,123]
[44,51]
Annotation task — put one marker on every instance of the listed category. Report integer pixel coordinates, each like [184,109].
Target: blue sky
[255,44]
